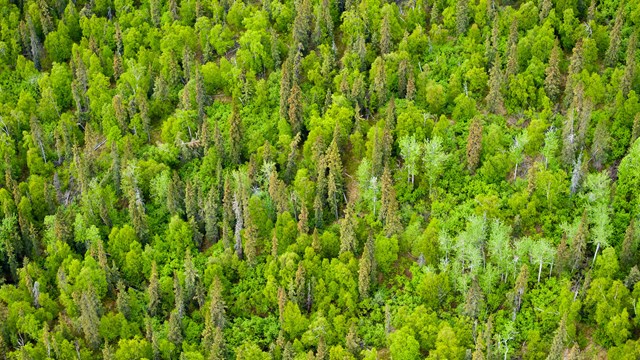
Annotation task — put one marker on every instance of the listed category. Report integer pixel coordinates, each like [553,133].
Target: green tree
[474,144]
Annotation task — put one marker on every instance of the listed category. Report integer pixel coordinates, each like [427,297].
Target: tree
[385,35]
[630,68]
[611,56]
[410,152]
[364,271]
[559,341]
[295,108]
[579,244]
[552,81]
[403,345]
[335,180]
[434,159]
[90,318]
[215,318]
[598,209]
[153,290]
[462,16]
[494,99]
[517,149]
[628,258]
[474,144]
[235,135]
[175,328]
[575,67]
[348,239]
[519,289]
[542,252]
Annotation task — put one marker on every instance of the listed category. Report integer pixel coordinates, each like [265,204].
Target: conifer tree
[302,23]
[250,243]
[380,82]
[519,289]
[122,300]
[153,290]
[545,8]
[200,94]
[175,328]
[628,257]
[178,295]
[552,81]
[315,241]
[559,341]
[402,77]
[385,35]
[237,210]
[175,196]
[191,205]
[494,99]
[630,68]
[462,16]
[334,180]
[227,213]
[217,307]
[295,108]
[211,214]
[473,300]
[154,10]
[348,239]
[575,67]
[216,351]
[478,353]
[611,56]
[285,87]
[89,317]
[600,144]
[190,276]
[579,244]
[290,170]
[474,144]
[364,271]
[303,220]
[235,135]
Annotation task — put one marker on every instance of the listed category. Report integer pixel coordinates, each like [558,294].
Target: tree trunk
[539,270]
[596,254]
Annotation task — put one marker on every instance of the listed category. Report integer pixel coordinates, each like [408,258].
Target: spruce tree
[211,215]
[89,316]
[611,56]
[385,35]
[474,144]
[494,99]
[295,108]
[628,257]
[462,16]
[235,135]
[122,300]
[552,81]
[334,180]
[519,290]
[190,277]
[575,67]
[579,244]
[402,78]
[153,290]
[348,241]
[364,271]
[559,341]
[630,68]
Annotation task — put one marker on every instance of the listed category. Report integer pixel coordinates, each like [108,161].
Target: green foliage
[319,179]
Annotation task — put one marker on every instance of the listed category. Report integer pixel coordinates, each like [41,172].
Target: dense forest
[319,179]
